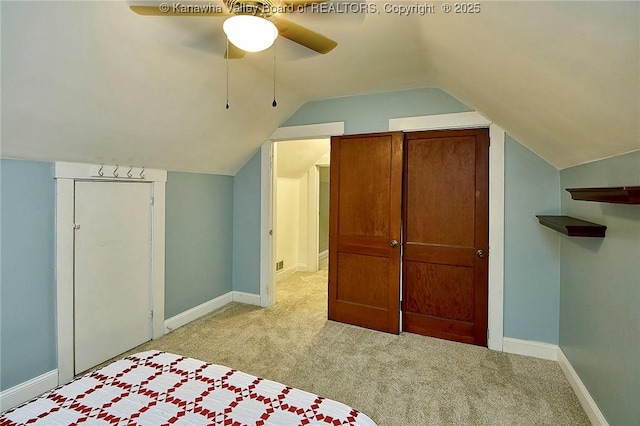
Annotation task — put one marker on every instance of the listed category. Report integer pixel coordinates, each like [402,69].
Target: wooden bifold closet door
[364,230]
[446,234]
[432,186]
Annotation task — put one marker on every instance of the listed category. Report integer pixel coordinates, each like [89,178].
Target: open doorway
[300,206]
[323,217]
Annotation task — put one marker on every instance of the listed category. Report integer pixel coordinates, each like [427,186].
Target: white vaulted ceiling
[93,82]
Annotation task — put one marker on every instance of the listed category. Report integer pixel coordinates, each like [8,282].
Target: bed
[159,388]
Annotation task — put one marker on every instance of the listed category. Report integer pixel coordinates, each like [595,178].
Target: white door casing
[465,120]
[66,174]
[473,120]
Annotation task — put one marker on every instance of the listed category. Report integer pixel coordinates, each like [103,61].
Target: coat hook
[142,173]
[115,171]
[100,172]
[129,172]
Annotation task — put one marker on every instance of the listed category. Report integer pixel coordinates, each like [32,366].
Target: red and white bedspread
[157,388]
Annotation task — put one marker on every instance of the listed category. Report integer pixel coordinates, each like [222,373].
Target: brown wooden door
[446,224]
[364,220]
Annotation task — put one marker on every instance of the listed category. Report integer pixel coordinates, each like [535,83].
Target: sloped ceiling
[94,82]
[295,158]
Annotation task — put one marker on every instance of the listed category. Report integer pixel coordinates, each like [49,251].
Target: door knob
[394,243]
[480,253]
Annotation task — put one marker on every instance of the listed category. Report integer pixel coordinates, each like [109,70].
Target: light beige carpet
[396,380]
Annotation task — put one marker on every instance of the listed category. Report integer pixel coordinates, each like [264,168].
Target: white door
[112,285]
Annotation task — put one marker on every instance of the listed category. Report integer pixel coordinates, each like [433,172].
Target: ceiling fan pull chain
[274,103]
[227,55]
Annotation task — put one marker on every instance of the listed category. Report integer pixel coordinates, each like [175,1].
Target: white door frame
[312,218]
[267,194]
[473,120]
[317,209]
[66,175]
[465,120]
[313,221]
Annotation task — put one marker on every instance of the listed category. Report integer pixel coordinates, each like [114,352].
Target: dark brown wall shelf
[573,227]
[619,195]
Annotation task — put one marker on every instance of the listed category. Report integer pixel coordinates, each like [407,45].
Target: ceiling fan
[257,13]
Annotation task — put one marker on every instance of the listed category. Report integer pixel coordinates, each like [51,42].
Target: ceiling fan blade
[234,52]
[178,9]
[304,36]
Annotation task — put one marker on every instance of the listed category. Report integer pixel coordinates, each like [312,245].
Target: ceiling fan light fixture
[250,33]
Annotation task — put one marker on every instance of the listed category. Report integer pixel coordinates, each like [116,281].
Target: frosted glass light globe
[250,33]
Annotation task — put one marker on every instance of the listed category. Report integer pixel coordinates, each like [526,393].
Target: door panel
[453,301]
[446,219]
[368,276]
[441,170]
[112,265]
[365,213]
[365,170]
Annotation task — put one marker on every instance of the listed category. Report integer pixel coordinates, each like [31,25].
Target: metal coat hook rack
[114,172]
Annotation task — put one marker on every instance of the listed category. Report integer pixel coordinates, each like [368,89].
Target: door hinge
[76,226]
[487,334]
[150,314]
[153,200]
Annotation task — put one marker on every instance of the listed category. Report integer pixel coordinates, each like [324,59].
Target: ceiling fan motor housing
[260,8]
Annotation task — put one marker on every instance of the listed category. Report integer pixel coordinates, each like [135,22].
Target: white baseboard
[554,353]
[26,390]
[246,298]
[530,348]
[323,255]
[290,270]
[196,312]
[587,402]
[210,306]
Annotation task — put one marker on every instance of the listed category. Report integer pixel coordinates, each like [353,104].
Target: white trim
[313,192]
[461,120]
[309,131]
[466,120]
[246,298]
[209,306]
[27,390]
[323,254]
[495,319]
[496,199]
[196,312]
[158,257]
[267,239]
[588,403]
[291,270]
[66,174]
[268,196]
[530,348]
[64,277]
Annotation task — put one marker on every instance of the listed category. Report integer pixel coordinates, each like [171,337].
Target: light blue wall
[246,227]
[532,252]
[199,250]
[371,113]
[532,258]
[600,290]
[199,239]
[27,285]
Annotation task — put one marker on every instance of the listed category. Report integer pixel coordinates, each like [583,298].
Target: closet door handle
[480,253]
[394,243]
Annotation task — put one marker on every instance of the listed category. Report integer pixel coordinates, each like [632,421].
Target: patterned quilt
[157,388]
